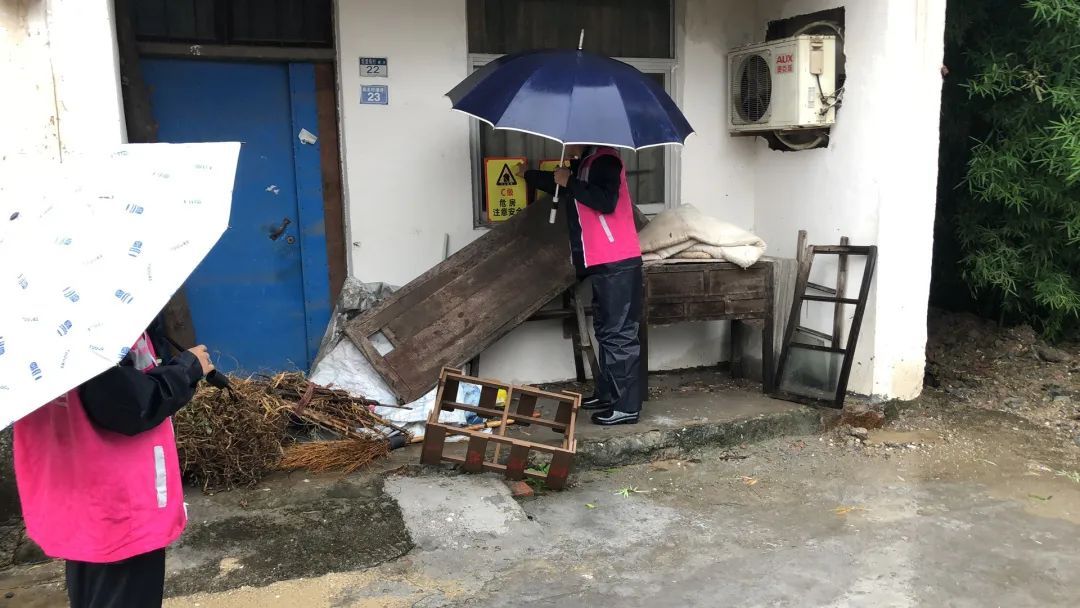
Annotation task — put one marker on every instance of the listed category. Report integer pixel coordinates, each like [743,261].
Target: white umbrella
[91,250]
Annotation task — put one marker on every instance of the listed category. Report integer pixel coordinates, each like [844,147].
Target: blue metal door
[260,300]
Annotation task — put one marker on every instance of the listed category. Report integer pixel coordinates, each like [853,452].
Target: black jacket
[128,401]
[600,192]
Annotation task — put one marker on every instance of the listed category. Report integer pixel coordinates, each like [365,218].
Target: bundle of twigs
[345,455]
[332,409]
[230,438]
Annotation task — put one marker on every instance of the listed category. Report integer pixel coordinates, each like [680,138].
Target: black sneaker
[611,418]
[594,403]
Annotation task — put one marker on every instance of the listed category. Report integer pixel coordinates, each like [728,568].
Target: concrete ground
[945,507]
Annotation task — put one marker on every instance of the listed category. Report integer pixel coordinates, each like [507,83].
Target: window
[638,32]
[306,23]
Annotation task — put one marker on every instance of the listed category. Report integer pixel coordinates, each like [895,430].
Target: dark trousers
[617,302]
[138,582]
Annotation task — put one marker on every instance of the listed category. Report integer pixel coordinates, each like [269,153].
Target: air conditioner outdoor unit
[783,85]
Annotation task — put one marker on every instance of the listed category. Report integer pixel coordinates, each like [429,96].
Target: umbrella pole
[555,199]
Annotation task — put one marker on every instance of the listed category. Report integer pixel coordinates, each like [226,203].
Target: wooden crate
[520,408]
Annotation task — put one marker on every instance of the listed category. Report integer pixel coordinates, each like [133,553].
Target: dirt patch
[304,540]
[974,362]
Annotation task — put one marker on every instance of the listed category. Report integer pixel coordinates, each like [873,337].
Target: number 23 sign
[375,94]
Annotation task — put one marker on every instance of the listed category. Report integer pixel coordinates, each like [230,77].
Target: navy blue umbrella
[572,97]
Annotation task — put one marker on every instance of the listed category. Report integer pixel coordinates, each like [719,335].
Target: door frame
[323,110]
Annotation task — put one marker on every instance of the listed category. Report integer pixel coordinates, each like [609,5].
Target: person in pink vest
[99,477]
[604,248]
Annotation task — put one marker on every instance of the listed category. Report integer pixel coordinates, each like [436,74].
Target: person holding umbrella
[604,247]
[99,476]
[591,105]
[93,249]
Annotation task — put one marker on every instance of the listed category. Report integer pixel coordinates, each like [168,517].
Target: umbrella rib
[573,93]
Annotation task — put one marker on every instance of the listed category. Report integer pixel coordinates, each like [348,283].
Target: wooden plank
[474,457]
[330,159]
[767,333]
[838,300]
[504,421]
[660,313]
[493,413]
[737,307]
[710,309]
[569,441]
[643,334]
[856,321]
[583,331]
[562,415]
[841,290]
[532,445]
[236,52]
[515,465]
[489,396]
[468,302]
[676,285]
[559,471]
[434,439]
[793,320]
[736,282]
[572,327]
[526,406]
[447,393]
[845,249]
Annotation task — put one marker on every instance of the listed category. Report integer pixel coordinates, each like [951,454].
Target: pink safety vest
[92,495]
[612,237]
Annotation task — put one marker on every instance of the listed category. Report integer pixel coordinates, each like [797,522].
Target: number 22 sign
[375,94]
[374,67]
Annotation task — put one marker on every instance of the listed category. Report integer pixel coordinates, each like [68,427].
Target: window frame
[672,154]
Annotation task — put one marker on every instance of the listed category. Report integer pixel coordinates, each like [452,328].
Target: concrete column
[59,64]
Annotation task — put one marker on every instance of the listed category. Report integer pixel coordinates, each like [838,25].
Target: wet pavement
[945,507]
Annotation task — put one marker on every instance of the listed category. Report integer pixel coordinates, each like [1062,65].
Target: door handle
[280,230]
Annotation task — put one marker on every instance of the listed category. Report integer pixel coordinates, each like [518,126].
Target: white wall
[717,170]
[408,173]
[61,75]
[407,169]
[876,182]
[397,224]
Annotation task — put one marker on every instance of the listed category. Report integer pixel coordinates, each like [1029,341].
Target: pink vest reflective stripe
[92,495]
[612,237]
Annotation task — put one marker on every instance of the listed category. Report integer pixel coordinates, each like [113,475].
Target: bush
[1017,204]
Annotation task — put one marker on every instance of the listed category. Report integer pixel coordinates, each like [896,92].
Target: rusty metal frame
[518,409]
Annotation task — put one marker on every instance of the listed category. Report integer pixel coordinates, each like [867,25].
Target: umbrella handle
[555,198]
[213,378]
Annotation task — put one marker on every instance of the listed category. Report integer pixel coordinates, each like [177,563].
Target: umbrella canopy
[572,97]
[92,250]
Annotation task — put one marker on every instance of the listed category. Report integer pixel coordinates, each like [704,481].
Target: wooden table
[710,291]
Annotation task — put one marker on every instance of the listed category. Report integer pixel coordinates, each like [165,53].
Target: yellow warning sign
[549,165]
[504,191]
